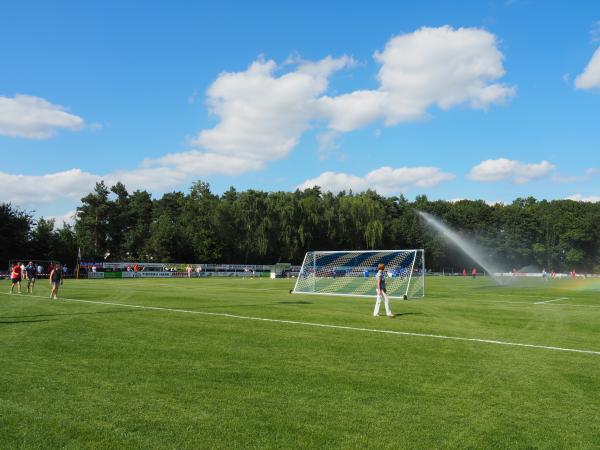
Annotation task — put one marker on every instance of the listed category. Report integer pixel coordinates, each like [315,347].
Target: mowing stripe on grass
[324,325]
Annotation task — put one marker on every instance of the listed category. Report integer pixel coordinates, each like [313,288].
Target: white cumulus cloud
[385,180]
[354,110]
[262,115]
[587,175]
[32,117]
[196,163]
[159,174]
[582,198]
[29,191]
[590,77]
[264,110]
[67,218]
[441,66]
[500,169]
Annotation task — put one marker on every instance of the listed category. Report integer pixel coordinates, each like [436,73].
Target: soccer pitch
[226,363]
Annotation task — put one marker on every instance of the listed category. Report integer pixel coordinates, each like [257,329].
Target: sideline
[320,325]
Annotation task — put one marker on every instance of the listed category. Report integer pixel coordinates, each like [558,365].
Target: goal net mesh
[352,273]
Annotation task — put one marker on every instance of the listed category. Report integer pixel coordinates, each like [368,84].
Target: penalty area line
[325,325]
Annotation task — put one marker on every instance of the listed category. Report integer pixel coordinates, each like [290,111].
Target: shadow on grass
[70,314]
[408,314]
[299,302]
[24,321]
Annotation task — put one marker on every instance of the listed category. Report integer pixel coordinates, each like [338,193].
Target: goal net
[352,273]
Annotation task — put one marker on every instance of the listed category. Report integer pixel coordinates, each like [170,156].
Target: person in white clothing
[381,292]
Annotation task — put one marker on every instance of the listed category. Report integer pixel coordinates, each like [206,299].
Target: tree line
[257,227]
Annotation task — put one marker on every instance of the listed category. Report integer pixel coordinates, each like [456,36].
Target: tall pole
[78,260]
[314,272]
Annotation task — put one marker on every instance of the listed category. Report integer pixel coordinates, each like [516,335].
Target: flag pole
[78,261]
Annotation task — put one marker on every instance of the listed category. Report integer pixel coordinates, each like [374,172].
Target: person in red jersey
[15,278]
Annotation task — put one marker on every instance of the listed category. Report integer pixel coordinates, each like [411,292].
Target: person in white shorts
[381,292]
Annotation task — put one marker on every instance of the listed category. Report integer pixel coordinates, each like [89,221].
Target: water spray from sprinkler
[467,247]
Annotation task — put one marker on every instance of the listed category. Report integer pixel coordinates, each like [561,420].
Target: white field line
[479,301]
[552,305]
[550,301]
[324,325]
[576,305]
[518,295]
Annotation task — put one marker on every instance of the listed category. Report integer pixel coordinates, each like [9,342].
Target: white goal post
[352,273]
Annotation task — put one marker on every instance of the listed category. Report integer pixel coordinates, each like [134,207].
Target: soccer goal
[352,273]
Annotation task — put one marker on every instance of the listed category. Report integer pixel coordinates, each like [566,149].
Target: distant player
[56,280]
[381,292]
[15,278]
[31,272]
[544,275]
[474,272]
[189,271]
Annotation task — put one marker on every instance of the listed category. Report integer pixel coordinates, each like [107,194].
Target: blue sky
[491,100]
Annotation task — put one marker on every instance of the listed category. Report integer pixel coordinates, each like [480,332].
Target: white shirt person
[381,292]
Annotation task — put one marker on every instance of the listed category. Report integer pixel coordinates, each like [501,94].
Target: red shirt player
[15,278]
[474,272]
[464,272]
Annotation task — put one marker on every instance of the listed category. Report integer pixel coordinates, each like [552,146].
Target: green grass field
[103,373]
